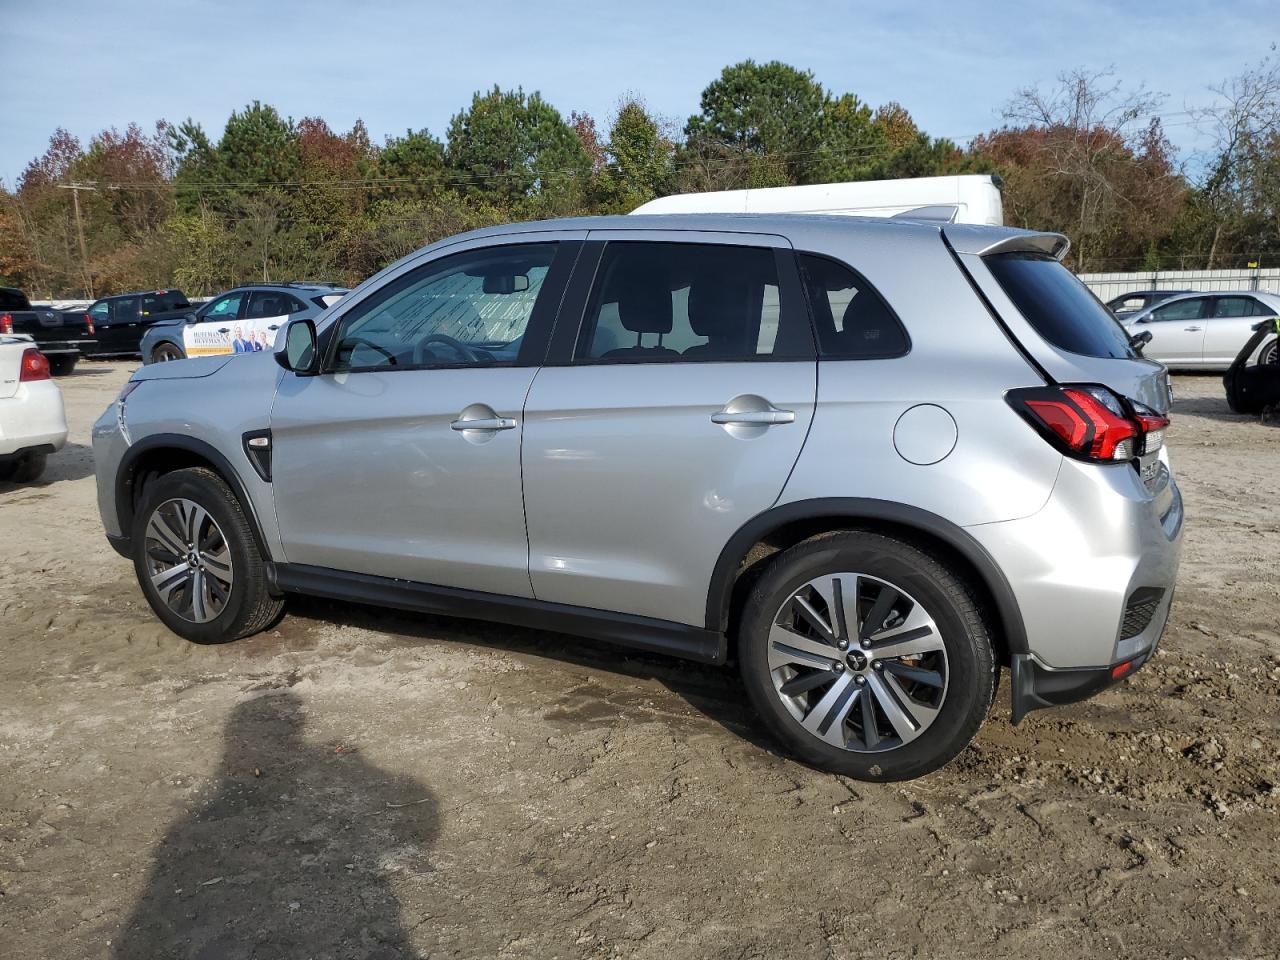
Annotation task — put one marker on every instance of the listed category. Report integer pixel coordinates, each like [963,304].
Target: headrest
[645,306]
[719,306]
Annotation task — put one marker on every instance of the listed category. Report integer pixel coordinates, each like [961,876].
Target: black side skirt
[641,633]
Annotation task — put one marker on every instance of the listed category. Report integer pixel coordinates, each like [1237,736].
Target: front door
[120,335]
[675,415]
[1177,332]
[402,458]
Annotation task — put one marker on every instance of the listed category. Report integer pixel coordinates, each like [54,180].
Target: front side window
[99,312]
[851,319]
[224,308]
[667,302]
[1192,309]
[472,308]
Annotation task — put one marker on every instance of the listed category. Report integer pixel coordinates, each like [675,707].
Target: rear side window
[125,310]
[851,319]
[13,300]
[690,302]
[1058,306]
[1238,307]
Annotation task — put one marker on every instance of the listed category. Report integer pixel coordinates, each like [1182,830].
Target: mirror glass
[300,345]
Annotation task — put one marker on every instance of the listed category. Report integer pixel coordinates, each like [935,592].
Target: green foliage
[518,151]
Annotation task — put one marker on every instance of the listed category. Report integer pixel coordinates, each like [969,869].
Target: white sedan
[33,423]
[1205,331]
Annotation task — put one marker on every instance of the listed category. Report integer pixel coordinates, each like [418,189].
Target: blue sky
[400,64]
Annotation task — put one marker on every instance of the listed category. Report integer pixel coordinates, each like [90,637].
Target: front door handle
[484,423]
[1192,329]
[755,416]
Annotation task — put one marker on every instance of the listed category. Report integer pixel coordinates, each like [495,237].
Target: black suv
[120,321]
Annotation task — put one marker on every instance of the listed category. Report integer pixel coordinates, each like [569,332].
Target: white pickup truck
[33,423]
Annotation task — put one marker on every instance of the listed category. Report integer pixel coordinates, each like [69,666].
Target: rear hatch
[1058,324]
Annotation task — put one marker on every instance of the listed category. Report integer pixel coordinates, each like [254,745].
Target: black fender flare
[851,510]
[126,476]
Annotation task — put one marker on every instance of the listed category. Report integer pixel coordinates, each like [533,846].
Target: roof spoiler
[984,241]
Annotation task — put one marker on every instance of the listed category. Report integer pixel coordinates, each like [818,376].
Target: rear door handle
[484,423]
[1192,329]
[755,416]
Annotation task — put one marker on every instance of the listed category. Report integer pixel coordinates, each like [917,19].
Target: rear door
[266,312]
[678,393]
[1229,326]
[121,333]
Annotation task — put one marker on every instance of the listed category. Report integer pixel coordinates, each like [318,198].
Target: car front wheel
[866,656]
[197,561]
[166,352]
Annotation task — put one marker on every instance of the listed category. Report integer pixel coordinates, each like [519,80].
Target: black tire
[970,662]
[249,608]
[165,351]
[61,366]
[25,469]
[1271,353]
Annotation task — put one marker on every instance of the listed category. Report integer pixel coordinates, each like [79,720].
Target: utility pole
[75,187]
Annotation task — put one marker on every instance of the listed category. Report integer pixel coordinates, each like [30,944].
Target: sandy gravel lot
[364,784]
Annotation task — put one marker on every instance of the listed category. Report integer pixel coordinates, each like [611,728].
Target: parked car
[32,421]
[698,435]
[60,337]
[1128,304]
[1205,331]
[241,320]
[122,320]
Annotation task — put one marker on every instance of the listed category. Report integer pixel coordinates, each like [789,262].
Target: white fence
[1108,285]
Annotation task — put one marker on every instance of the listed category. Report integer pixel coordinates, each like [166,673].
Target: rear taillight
[34,366]
[1090,422]
[88,322]
[6,323]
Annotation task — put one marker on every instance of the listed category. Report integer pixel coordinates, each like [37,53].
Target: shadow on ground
[291,854]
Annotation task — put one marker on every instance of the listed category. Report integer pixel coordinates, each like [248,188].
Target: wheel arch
[163,453]
[788,524]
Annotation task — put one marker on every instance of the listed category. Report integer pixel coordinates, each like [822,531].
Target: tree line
[273,198]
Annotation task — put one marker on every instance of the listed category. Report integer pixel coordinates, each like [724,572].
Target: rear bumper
[32,420]
[1093,574]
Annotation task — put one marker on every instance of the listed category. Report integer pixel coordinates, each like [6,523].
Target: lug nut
[866,644]
[860,680]
[837,666]
[878,665]
[842,645]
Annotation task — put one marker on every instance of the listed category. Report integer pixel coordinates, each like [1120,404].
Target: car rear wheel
[166,352]
[197,561]
[866,656]
[25,469]
[61,366]
[1270,354]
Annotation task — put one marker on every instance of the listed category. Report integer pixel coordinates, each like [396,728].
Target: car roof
[322,288]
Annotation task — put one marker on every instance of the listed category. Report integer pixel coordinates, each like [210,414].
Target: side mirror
[299,353]
[1140,340]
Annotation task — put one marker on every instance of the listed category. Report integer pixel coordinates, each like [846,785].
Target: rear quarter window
[1059,306]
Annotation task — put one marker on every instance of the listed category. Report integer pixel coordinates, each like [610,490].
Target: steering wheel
[464,352]
[364,342]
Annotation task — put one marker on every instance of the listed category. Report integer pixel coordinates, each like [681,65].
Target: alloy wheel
[859,663]
[188,560]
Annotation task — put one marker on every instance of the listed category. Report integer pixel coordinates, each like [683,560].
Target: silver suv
[873,461]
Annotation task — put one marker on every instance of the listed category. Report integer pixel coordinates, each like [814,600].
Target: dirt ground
[364,784]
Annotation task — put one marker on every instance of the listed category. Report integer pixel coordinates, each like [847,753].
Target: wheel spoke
[826,719]
[930,678]
[907,643]
[812,617]
[870,735]
[879,612]
[804,682]
[904,723]
[161,529]
[787,646]
[168,580]
[195,520]
[219,565]
[198,608]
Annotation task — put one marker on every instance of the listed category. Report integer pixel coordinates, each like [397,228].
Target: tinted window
[666,302]
[1190,309]
[269,303]
[471,308]
[1237,307]
[1059,306]
[99,311]
[1129,303]
[125,310]
[851,319]
[13,300]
